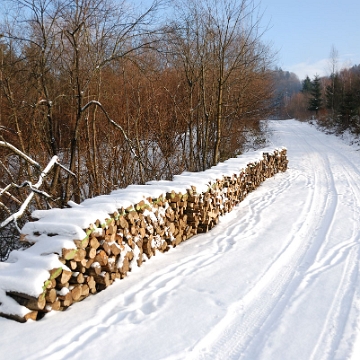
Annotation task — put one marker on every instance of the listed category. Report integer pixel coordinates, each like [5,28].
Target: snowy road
[278,278]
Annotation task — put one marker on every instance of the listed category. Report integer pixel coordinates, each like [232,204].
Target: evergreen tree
[334,95]
[348,108]
[306,86]
[315,101]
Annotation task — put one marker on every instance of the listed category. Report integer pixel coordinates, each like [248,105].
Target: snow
[277,278]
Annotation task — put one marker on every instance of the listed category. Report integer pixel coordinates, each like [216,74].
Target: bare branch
[34,189]
[128,140]
[25,204]
[11,196]
[20,153]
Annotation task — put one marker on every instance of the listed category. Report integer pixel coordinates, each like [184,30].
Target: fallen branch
[25,204]
[34,188]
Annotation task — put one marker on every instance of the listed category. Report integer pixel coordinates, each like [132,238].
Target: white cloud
[321,67]
[304,69]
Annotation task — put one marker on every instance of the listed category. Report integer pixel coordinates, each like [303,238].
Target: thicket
[122,95]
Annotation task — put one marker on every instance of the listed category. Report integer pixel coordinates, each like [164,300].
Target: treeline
[286,86]
[333,101]
[124,96]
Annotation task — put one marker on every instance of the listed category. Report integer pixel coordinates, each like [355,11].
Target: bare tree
[218,44]
[70,43]
[333,63]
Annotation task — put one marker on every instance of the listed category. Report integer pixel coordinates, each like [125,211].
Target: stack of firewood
[133,235]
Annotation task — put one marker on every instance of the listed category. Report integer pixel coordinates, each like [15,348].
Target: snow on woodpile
[83,249]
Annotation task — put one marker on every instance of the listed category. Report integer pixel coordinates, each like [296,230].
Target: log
[32,315]
[101,257]
[56,305]
[132,217]
[95,269]
[76,292]
[107,248]
[94,243]
[102,279]
[62,286]
[65,300]
[178,238]
[111,230]
[69,254]
[91,252]
[64,278]
[81,266]
[85,290]
[110,238]
[115,249]
[80,255]
[141,206]
[89,263]
[77,278]
[50,284]
[30,302]
[119,238]
[90,282]
[134,230]
[125,267]
[54,273]
[122,223]
[50,296]
[111,265]
[72,264]
[82,244]
[147,247]
[22,319]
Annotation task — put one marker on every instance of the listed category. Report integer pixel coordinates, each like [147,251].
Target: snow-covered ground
[278,278]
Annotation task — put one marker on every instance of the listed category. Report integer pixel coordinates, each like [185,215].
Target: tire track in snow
[347,252]
[248,215]
[256,313]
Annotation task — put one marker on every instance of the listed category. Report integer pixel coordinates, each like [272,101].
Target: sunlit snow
[277,278]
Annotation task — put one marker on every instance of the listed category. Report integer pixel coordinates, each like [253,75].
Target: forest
[99,94]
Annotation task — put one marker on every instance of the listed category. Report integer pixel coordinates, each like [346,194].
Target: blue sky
[304,31]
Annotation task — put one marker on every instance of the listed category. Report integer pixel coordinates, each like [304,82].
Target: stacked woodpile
[134,234]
